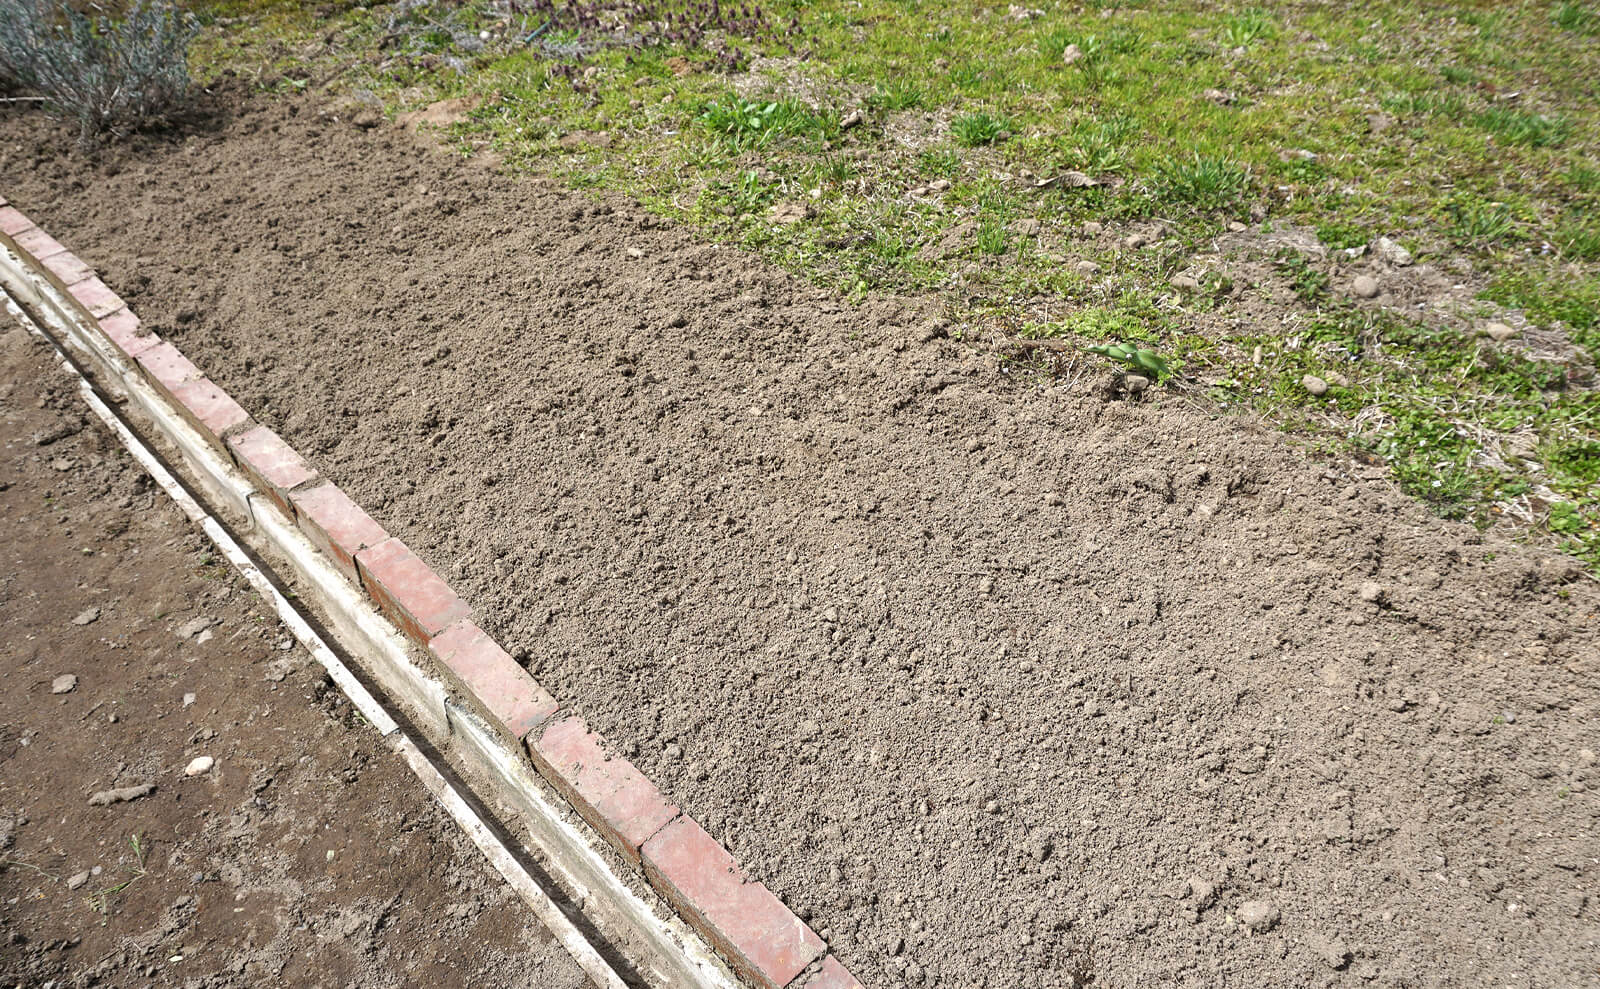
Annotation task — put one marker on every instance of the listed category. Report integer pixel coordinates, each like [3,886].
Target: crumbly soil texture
[996,681]
[304,854]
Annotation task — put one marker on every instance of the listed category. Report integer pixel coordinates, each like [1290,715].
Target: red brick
[413,596]
[610,793]
[67,268]
[336,524]
[96,297]
[833,975]
[272,464]
[166,369]
[38,243]
[12,222]
[209,409]
[501,687]
[766,942]
[122,329]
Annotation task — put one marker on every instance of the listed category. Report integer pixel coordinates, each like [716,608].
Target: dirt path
[306,855]
[996,684]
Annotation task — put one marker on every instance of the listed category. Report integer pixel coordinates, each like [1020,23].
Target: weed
[102,72]
[1578,237]
[1204,183]
[897,94]
[1341,236]
[976,129]
[993,237]
[1582,18]
[1244,29]
[939,162]
[1583,177]
[743,125]
[1477,224]
[1532,130]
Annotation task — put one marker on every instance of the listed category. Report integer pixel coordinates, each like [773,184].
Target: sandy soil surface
[306,855]
[997,684]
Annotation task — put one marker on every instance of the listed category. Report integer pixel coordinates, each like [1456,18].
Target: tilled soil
[307,855]
[997,683]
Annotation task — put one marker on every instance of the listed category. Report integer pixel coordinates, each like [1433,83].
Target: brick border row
[739,916]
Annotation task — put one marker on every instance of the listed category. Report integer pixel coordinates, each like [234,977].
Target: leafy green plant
[1243,29]
[743,124]
[102,72]
[1141,359]
[1341,236]
[976,129]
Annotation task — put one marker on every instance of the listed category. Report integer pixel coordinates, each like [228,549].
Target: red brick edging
[746,923]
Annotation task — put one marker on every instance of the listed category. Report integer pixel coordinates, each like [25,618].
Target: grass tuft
[977,129]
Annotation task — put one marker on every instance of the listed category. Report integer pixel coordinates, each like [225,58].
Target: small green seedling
[1135,358]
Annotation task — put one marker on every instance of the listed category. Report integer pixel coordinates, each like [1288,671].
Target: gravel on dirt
[115,869]
[974,671]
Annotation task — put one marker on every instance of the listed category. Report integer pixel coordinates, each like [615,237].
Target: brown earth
[996,682]
[308,855]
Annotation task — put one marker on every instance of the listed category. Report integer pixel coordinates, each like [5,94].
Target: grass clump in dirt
[101,71]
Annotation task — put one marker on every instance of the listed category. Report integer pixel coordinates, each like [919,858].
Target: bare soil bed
[998,684]
[307,854]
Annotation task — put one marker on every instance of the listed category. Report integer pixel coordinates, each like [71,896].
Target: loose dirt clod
[121,794]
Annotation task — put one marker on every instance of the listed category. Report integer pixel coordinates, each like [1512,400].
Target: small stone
[939,185]
[1365,287]
[1371,592]
[199,766]
[1219,97]
[195,626]
[1235,226]
[204,637]
[1315,385]
[992,807]
[1088,268]
[1339,379]
[1258,915]
[974,445]
[87,616]
[121,794]
[1185,283]
[635,253]
[1071,54]
[188,700]
[78,880]
[851,119]
[1135,241]
[1026,228]
[1391,252]
[1093,228]
[1500,332]
[673,751]
[1041,848]
[1204,893]
[63,683]
[1053,498]
[1135,383]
